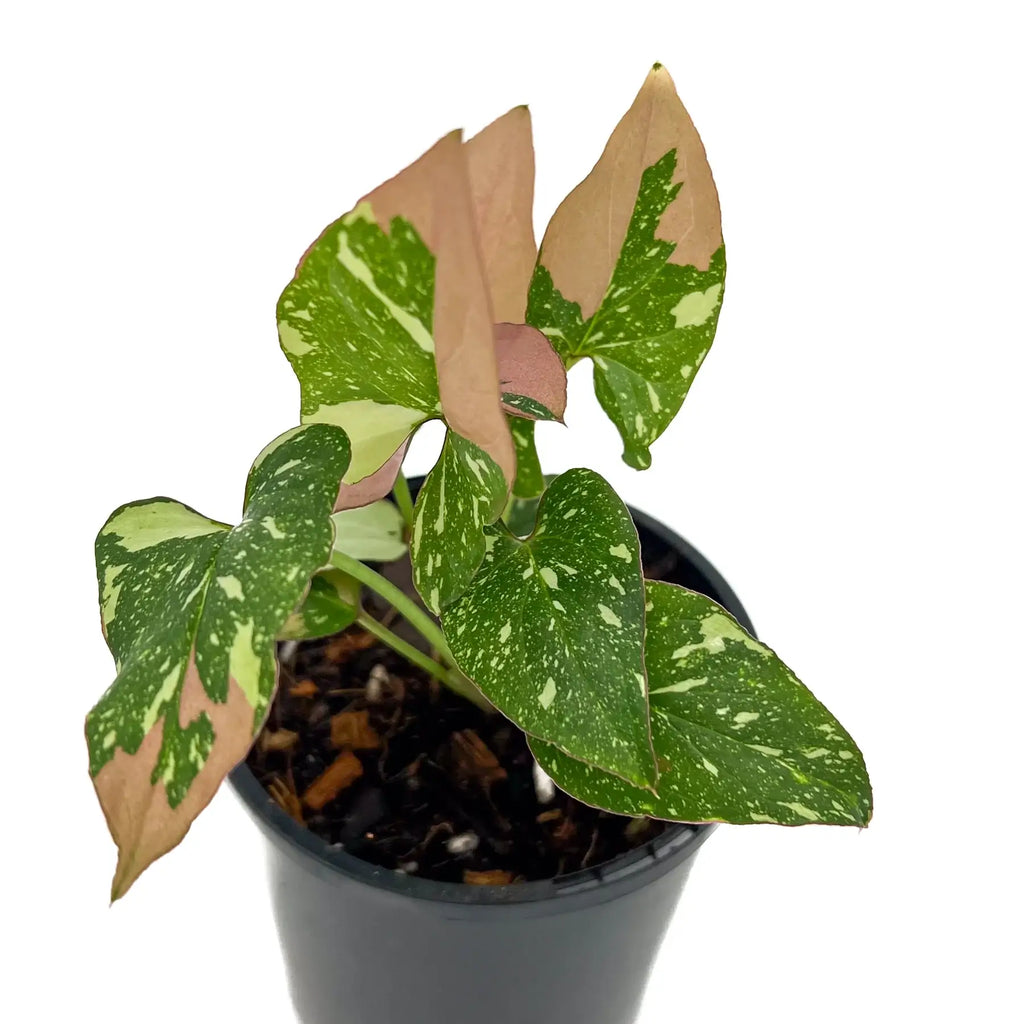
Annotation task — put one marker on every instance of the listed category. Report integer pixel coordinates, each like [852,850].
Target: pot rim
[678,842]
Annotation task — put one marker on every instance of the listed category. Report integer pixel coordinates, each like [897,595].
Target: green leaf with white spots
[389,319]
[372,533]
[191,611]
[653,329]
[356,324]
[331,605]
[463,493]
[526,406]
[632,268]
[737,736]
[529,482]
[551,630]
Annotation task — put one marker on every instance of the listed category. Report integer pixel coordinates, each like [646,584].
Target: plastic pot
[364,945]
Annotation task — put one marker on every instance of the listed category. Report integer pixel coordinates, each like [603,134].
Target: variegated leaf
[388,321]
[632,268]
[355,324]
[331,605]
[372,533]
[191,611]
[464,492]
[737,736]
[529,482]
[551,630]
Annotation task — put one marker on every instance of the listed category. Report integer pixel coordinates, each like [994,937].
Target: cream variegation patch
[142,526]
[375,430]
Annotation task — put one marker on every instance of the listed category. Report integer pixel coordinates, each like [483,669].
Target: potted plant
[482,746]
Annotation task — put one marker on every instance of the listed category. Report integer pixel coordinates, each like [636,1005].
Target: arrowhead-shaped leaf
[632,268]
[191,610]
[737,736]
[388,320]
[551,629]
[448,542]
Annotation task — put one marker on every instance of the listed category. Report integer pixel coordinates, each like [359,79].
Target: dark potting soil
[371,754]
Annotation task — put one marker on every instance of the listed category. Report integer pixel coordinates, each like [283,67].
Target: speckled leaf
[525,407]
[738,737]
[464,492]
[373,533]
[331,605]
[551,630]
[355,324]
[191,611]
[632,268]
[388,321]
[529,482]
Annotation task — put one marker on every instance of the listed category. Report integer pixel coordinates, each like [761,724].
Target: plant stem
[402,647]
[418,619]
[403,498]
[451,677]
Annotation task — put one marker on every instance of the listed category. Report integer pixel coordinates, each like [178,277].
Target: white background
[849,455]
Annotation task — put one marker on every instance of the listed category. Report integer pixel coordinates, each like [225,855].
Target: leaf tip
[121,882]
[658,78]
[637,456]
[453,138]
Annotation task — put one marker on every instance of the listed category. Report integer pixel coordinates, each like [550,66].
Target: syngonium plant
[429,300]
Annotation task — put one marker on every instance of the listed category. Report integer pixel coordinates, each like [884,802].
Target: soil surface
[374,756]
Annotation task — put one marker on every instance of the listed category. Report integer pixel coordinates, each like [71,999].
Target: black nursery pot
[365,945]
